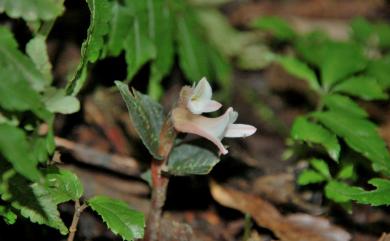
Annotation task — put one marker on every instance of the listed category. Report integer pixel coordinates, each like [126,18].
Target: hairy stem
[78,209]
[159,182]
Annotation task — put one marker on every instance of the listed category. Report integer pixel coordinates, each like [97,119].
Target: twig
[95,157]
[78,209]
[159,182]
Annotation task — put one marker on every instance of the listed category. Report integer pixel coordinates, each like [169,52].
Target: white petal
[240,130]
[200,99]
[212,106]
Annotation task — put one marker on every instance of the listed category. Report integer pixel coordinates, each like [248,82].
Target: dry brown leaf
[384,237]
[266,215]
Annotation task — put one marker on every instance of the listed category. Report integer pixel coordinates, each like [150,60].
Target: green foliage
[36,50]
[307,131]
[8,215]
[341,192]
[32,10]
[33,201]
[278,27]
[187,159]
[120,219]
[319,173]
[365,87]
[146,115]
[92,46]
[63,185]
[343,104]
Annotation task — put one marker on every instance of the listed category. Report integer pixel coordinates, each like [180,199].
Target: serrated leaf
[300,70]
[341,192]
[32,10]
[305,130]
[21,66]
[146,115]
[8,215]
[33,201]
[307,177]
[365,87]
[36,49]
[191,49]
[344,104]
[56,101]
[63,185]
[16,150]
[120,219]
[189,159]
[277,26]
[360,134]
[321,166]
[92,47]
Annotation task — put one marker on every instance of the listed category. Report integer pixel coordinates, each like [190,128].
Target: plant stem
[78,209]
[159,182]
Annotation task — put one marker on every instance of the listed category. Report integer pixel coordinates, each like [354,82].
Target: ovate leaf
[32,10]
[63,185]
[16,150]
[92,47]
[189,159]
[36,49]
[321,166]
[57,101]
[119,217]
[360,134]
[146,115]
[341,192]
[344,104]
[304,130]
[365,87]
[300,70]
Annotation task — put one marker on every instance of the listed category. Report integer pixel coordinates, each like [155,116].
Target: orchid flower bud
[197,100]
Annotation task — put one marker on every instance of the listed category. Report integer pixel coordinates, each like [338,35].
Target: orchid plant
[159,132]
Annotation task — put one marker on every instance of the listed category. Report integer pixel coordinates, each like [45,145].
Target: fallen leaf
[384,237]
[290,228]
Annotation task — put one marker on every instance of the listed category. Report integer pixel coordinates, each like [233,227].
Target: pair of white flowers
[196,100]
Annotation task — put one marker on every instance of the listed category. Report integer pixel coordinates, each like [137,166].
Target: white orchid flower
[197,100]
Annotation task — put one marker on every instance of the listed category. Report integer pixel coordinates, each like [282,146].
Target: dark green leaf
[32,10]
[120,219]
[33,201]
[362,30]
[21,66]
[277,26]
[360,134]
[299,69]
[16,150]
[121,22]
[146,115]
[63,185]
[311,132]
[344,104]
[365,87]
[310,177]
[92,47]
[189,159]
[341,192]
